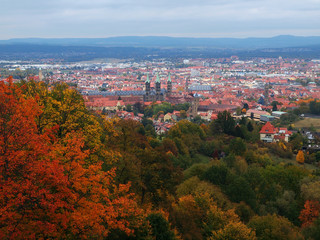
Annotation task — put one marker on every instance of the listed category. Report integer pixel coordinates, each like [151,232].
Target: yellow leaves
[190,211]
[234,230]
[282,145]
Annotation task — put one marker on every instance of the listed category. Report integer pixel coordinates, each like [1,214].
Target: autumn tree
[200,218]
[187,217]
[310,188]
[300,157]
[195,187]
[238,146]
[26,178]
[48,190]
[310,212]
[234,230]
[272,227]
[142,165]
[64,108]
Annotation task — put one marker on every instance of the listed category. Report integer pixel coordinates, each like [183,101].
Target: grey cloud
[60,18]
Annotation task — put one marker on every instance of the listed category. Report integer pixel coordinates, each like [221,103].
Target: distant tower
[169,85]
[158,88]
[193,110]
[266,93]
[147,83]
[187,85]
[40,75]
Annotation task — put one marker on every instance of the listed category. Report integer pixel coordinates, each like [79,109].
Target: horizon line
[167,36]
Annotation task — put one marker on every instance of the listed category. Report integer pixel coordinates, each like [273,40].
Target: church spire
[148,80]
[169,85]
[158,79]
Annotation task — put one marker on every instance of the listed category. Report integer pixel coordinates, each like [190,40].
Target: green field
[308,122]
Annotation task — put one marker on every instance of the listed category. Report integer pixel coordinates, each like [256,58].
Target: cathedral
[157,94]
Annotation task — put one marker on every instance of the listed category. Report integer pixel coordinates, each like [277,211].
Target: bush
[279,151]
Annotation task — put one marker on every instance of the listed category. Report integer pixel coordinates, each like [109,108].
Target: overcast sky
[183,18]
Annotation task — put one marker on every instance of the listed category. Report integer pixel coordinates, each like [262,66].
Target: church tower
[193,109]
[147,84]
[266,93]
[158,88]
[187,85]
[169,85]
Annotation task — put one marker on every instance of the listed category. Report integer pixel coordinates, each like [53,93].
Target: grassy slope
[307,122]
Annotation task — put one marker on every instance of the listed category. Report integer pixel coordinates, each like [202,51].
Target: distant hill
[83,53]
[284,41]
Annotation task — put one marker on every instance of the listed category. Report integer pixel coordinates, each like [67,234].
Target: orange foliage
[310,212]
[300,157]
[204,127]
[47,189]
[307,101]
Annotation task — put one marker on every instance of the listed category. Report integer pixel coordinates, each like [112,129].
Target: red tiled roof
[268,128]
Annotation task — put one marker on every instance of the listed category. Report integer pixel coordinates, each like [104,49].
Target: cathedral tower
[158,88]
[147,84]
[169,85]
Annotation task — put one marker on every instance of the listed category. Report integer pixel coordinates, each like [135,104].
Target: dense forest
[68,173]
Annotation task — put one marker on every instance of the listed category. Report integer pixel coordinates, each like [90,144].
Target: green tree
[250,126]
[312,231]
[217,174]
[160,227]
[314,107]
[289,177]
[223,124]
[274,105]
[273,227]
[183,114]
[238,146]
[129,108]
[297,141]
[238,132]
[238,189]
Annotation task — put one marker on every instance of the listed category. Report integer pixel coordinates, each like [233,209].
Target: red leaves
[310,212]
[47,189]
